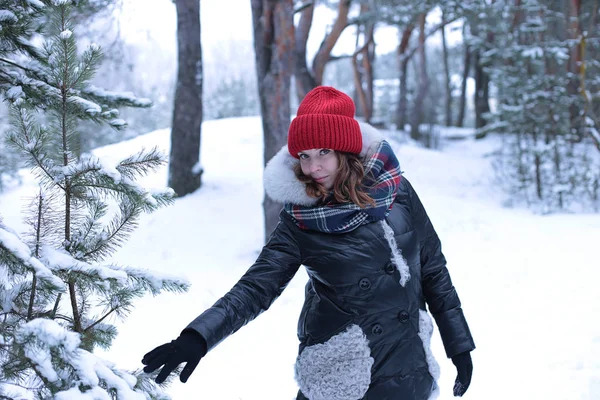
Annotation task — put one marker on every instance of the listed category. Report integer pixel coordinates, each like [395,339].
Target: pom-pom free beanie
[325,120]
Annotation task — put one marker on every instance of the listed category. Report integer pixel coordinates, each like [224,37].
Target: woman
[374,262]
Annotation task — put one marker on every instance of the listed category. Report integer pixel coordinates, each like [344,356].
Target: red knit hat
[325,120]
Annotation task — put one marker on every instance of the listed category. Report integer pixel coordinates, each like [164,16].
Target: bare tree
[403,62]
[423,85]
[308,78]
[184,171]
[322,57]
[482,84]
[460,120]
[363,68]
[448,105]
[482,79]
[274,48]
[305,81]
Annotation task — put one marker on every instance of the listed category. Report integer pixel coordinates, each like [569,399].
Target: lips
[321,179]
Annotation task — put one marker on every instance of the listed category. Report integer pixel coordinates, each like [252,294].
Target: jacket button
[364,284]
[377,329]
[390,268]
[403,316]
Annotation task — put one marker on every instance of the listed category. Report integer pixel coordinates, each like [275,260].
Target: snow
[197,168]
[40,334]
[116,96]
[66,34]
[533,52]
[528,283]
[12,242]
[110,170]
[36,3]
[89,106]
[60,259]
[117,122]
[6,15]
[47,333]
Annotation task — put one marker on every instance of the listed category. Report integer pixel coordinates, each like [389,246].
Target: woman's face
[321,165]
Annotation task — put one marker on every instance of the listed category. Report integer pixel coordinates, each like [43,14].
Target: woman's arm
[439,292]
[255,291]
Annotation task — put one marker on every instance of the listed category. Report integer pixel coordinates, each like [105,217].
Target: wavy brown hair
[347,186]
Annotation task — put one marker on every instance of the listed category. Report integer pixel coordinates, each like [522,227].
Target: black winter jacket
[362,335]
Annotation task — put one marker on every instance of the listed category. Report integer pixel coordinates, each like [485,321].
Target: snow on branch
[55,352]
[36,3]
[38,336]
[7,16]
[10,242]
[63,261]
[156,281]
[120,98]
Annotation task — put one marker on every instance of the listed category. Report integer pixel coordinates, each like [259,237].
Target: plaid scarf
[382,177]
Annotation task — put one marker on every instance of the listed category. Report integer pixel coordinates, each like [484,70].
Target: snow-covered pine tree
[58,290]
[541,161]
[16,28]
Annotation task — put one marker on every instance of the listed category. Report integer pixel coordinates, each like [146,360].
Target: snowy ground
[528,283]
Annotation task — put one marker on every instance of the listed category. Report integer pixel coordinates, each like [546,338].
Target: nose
[315,166]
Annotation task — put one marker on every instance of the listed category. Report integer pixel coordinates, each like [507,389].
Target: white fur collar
[281,183]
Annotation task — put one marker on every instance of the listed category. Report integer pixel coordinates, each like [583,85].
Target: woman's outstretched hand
[189,347]
[464,367]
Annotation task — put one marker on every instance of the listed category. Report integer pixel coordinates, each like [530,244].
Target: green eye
[303,156]
[325,152]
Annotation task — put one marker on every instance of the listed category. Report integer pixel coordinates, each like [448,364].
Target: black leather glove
[464,367]
[189,347]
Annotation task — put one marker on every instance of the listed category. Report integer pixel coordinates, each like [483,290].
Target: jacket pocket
[338,369]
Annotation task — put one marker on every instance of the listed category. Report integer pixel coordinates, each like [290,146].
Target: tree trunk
[322,57]
[482,104]
[403,63]
[368,60]
[274,50]
[365,75]
[305,82]
[423,85]
[448,105]
[574,28]
[575,63]
[463,89]
[184,171]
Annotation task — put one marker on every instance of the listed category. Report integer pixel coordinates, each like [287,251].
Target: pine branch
[89,226]
[155,283]
[10,259]
[134,166]
[64,318]
[37,255]
[55,308]
[14,64]
[74,307]
[142,163]
[101,319]
[115,99]
[23,125]
[87,67]
[118,230]
[124,191]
